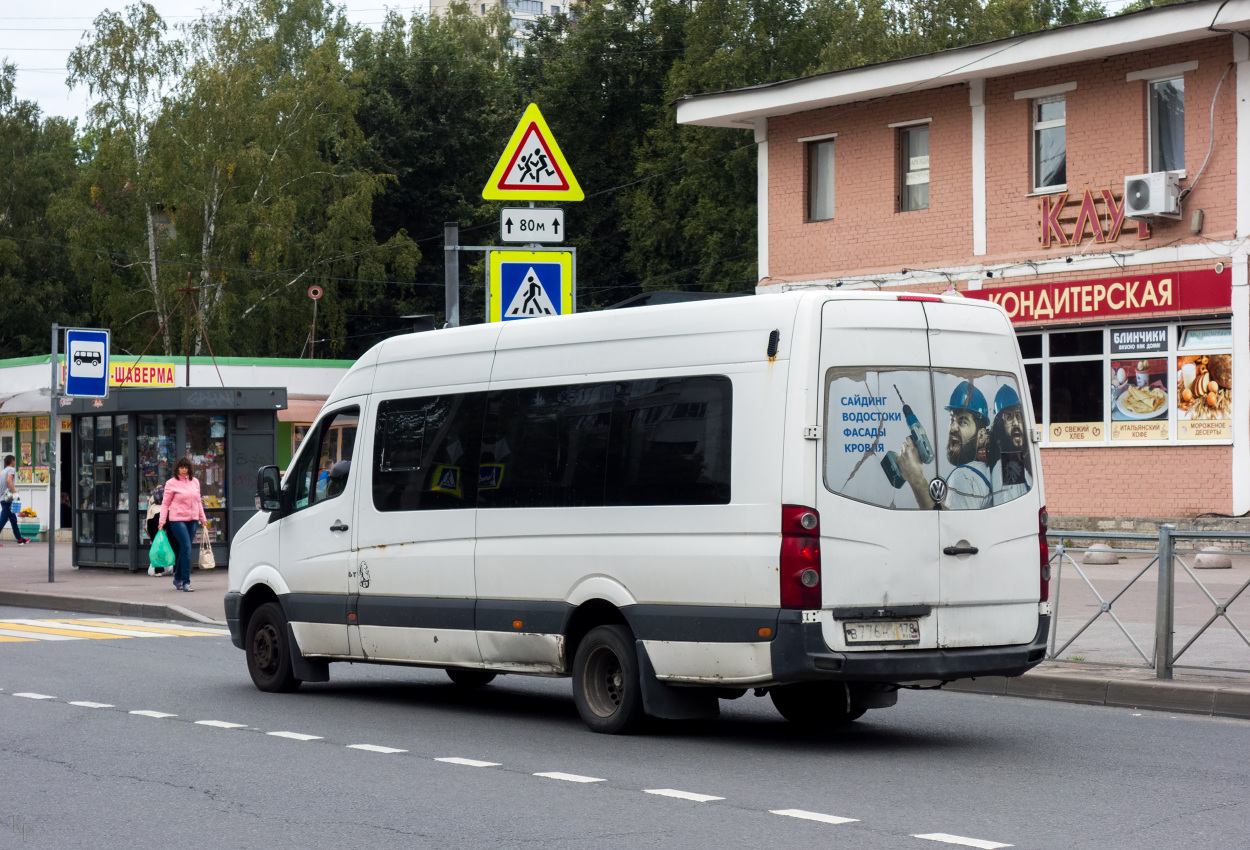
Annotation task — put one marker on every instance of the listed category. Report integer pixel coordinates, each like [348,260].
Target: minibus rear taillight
[919,298]
[800,558]
[1043,552]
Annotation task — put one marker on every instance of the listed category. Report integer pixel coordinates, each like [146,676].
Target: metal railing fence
[1163,559]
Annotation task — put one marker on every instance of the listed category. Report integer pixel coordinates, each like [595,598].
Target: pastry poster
[1204,410]
[1139,399]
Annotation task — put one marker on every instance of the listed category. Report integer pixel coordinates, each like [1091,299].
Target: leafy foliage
[270,145]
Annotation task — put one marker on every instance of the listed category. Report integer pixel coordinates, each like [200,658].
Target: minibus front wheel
[268,653]
[606,687]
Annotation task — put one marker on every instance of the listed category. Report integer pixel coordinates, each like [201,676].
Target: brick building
[1001,170]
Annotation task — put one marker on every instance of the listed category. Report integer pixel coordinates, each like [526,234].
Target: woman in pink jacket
[183,508]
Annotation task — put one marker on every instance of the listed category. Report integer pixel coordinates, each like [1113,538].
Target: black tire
[605,681]
[268,654]
[815,705]
[470,678]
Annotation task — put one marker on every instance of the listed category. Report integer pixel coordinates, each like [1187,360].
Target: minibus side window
[671,442]
[321,474]
[426,452]
[546,447]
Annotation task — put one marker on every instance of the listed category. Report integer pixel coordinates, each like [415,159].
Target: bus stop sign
[87,362]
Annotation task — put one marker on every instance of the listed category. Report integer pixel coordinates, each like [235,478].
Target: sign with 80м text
[522,224]
[87,359]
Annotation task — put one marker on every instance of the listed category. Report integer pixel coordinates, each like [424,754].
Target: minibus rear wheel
[815,705]
[469,678]
[268,654]
[605,681]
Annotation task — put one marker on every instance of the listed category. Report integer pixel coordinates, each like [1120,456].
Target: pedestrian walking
[182,509]
[153,524]
[8,492]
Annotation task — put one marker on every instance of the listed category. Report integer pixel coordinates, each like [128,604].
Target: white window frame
[1038,126]
[1150,136]
[810,144]
[905,164]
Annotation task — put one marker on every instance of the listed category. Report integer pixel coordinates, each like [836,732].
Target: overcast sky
[38,36]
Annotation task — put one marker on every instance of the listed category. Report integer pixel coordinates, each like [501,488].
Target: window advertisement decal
[1204,384]
[879,427]
[1139,399]
[907,439]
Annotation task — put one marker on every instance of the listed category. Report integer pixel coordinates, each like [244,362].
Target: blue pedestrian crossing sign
[87,361]
[529,285]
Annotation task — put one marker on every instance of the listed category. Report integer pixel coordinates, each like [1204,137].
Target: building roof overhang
[1148,29]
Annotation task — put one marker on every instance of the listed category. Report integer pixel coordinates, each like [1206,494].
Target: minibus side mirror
[268,489]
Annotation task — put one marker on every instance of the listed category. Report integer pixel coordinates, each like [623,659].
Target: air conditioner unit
[1151,195]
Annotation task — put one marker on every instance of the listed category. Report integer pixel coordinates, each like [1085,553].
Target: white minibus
[819,497]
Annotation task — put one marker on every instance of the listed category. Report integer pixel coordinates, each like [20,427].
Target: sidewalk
[119,592]
[112,592]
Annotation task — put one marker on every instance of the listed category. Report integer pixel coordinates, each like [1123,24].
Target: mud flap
[304,669]
[671,703]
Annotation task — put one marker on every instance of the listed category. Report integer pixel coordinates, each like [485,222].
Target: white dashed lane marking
[965,842]
[683,795]
[569,777]
[800,814]
[816,816]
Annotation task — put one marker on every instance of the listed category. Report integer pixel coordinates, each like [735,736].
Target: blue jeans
[184,532]
[7,517]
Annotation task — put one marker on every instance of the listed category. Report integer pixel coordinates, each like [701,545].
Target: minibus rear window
[903,437]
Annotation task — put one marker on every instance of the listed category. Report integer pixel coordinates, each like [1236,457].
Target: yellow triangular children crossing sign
[532,167]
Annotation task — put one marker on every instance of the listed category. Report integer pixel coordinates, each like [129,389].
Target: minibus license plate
[883,631]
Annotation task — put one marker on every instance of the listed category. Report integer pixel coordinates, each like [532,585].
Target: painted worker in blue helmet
[1011,468]
[968,483]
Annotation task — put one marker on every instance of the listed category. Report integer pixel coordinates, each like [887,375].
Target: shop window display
[206,446]
[1149,384]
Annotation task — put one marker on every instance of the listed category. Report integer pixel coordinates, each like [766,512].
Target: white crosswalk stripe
[20,630]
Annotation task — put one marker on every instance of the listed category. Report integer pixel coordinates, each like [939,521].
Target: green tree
[600,81]
[437,105]
[127,63]
[262,156]
[38,285]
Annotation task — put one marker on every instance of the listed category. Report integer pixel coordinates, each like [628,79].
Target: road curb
[1160,695]
[108,607]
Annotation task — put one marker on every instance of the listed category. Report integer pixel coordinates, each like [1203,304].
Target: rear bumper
[799,654]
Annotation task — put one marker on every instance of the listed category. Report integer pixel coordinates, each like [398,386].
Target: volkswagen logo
[937,490]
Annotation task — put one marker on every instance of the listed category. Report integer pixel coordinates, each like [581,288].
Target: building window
[555,10]
[1125,384]
[531,7]
[1050,143]
[820,180]
[1167,125]
[914,174]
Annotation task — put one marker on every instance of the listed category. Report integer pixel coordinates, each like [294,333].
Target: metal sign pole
[451,273]
[54,437]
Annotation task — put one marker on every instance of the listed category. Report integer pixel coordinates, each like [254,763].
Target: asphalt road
[993,770]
